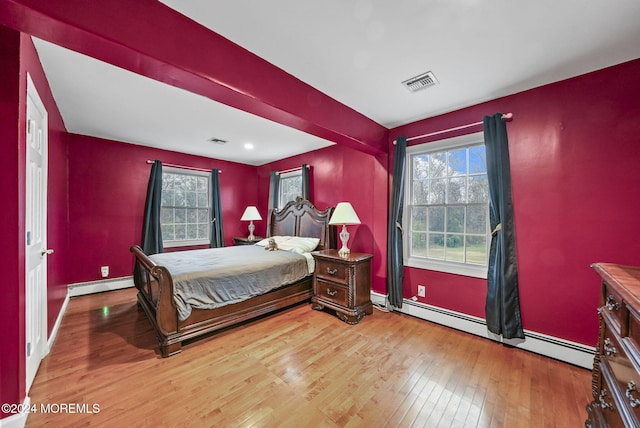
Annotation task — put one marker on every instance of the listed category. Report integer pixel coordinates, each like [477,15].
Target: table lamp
[344,214]
[251,213]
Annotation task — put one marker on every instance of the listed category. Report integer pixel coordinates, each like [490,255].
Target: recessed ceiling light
[248,146]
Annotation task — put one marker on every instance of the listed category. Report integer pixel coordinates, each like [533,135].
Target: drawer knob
[332,271]
[608,349]
[603,403]
[611,303]
[331,292]
[631,388]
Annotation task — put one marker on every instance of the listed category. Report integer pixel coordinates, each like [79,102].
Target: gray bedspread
[211,278]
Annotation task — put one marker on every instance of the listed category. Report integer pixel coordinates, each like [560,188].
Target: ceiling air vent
[217,141]
[422,81]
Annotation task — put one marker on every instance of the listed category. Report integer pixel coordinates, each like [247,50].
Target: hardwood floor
[298,368]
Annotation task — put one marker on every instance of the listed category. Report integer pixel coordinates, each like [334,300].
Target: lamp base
[251,237]
[344,237]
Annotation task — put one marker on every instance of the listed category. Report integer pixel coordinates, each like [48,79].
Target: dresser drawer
[625,378]
[332,291]
[332,271]
[608,414]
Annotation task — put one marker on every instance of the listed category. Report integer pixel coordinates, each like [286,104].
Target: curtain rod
[192,168]
[507,117]
[284,171]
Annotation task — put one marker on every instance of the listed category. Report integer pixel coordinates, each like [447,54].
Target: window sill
[185,243]
[475,271]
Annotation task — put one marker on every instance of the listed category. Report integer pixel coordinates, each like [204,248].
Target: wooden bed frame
[155,284]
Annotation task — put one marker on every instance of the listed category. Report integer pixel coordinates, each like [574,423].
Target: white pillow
[299,244]
[295,244]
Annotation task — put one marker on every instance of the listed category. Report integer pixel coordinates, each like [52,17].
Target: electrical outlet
[104,271]
[422,291]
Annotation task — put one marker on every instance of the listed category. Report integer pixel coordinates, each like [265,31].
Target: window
[290,187]
[185,207]
[447,206]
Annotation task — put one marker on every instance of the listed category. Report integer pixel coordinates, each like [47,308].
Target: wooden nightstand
[343,284]
[243,240]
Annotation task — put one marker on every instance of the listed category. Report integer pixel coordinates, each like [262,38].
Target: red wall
[575,151]
[341,174]
[107,189]
[17,58]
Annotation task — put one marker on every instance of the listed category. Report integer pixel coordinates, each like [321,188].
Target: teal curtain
[306,182]
[395,265]
[151,230]
[216,233]
[502,306]
[274,190]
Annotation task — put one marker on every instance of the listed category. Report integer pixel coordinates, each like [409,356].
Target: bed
[159,295]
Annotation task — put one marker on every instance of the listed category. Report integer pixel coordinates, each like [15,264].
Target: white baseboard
[553,347]
[83,288]
[18,420]
[56,326]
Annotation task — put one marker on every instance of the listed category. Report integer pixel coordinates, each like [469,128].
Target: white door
[36,228]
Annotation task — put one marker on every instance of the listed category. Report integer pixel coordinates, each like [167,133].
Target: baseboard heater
[84,288]
[549,346]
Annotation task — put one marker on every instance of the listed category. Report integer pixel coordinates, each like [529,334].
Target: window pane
[203,231]
[457,190]
[203,199]
[190,183]
[192,215]
[455,248]
[192,199]
[420,167]
[437,191]
[203,184]
[167,232]
[419,244]
[477,160]
[181,232]
[180,198]
[420,192]
[457,162]
[203,216]
[455,220]
[436,246]
[477,219]
[167,198]
[166,216]
[436,219]
[478,189]
[477,250]
[180,216]
[419,219]
[438,164]
[192,231]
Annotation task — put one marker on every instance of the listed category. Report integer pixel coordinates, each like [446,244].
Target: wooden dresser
[343,284]
[616,365]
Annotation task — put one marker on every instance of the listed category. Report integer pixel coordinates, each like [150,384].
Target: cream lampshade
[344,214]
[251,213]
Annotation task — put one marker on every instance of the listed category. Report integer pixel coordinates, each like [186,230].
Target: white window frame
[460,268]
[189,242]
[285,175]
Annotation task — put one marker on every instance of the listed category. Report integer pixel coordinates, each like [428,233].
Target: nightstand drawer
[332,271]
[332,291]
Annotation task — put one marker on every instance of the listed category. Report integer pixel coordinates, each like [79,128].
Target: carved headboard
[301,218]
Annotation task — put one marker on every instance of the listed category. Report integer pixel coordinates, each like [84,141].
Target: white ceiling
[357,52]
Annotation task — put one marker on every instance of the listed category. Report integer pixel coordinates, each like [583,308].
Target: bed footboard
[155,297]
